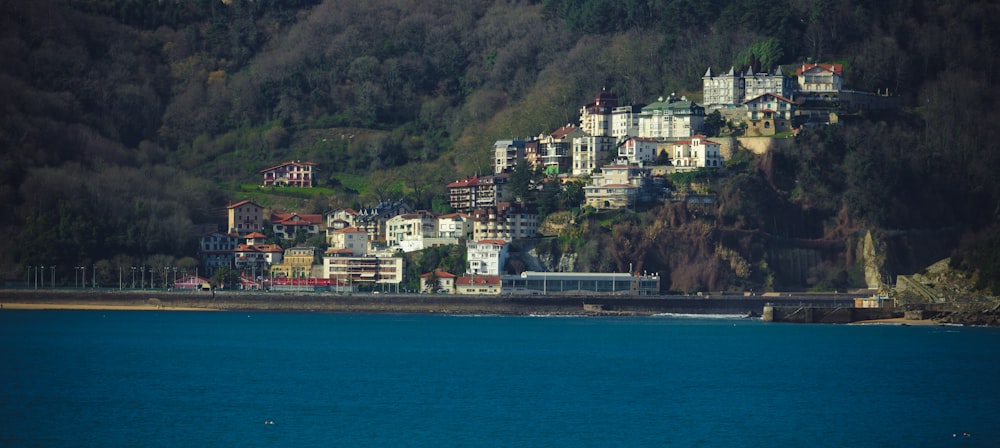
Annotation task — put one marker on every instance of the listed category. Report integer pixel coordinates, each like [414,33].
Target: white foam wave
[702,316]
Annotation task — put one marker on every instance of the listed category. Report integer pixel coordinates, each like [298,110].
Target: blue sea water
[152,379]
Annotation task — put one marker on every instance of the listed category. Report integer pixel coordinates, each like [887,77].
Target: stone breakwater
[411,303]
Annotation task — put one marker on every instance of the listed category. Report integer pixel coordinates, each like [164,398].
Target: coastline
[897,321]
[555,305]
[572,305]
[96,307]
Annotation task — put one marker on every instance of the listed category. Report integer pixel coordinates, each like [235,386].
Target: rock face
[873,254]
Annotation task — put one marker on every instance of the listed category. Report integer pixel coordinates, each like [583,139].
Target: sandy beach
[897,321]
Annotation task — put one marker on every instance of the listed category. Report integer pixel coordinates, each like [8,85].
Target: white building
[408,230]
[639,150]
[721,91]
[486,257]
[696,153]
[589,153]
[820,79]
[671,118]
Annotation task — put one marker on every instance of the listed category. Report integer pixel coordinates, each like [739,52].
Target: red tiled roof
[478,280]
[289,219]
[438,274]
[495,242]
[349,230]
[256,235]
[837,69]
[563,131]
[286,164]
[779,97]
[469,181]
[243,202]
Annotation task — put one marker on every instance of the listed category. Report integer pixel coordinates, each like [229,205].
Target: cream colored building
[345,268]
[351,238]
[618,186]
[698,152]
[297,263]
[589,153]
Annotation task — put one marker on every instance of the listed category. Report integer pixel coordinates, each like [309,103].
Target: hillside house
[769,114]
[639,150]
[775,82]
[698,152]
[245,217]
[287,225]
[290,174]
[618,186]
[722,91]
[733,88]
[820,80]
[671,118]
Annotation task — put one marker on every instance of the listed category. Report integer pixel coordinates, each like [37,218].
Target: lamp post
[83,275]
[43,276]
[133,277]
[165,270]
[142,277]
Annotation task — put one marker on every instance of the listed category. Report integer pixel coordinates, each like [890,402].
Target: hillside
[128,123]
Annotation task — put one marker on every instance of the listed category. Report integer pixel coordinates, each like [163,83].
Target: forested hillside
[126,123]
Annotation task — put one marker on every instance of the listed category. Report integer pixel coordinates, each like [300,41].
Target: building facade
[769,114]
[290,174]
[698,152]
[507,154]
[671,118]
[486,257]
[341,266]
[351,238]
[287,225]
[245,217]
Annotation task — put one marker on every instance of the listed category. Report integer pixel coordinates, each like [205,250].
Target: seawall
[825,314]
[419,303]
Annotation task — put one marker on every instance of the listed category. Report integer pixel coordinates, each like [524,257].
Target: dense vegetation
[127,123]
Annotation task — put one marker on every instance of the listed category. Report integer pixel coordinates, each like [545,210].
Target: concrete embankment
[415,303]
[826,314]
